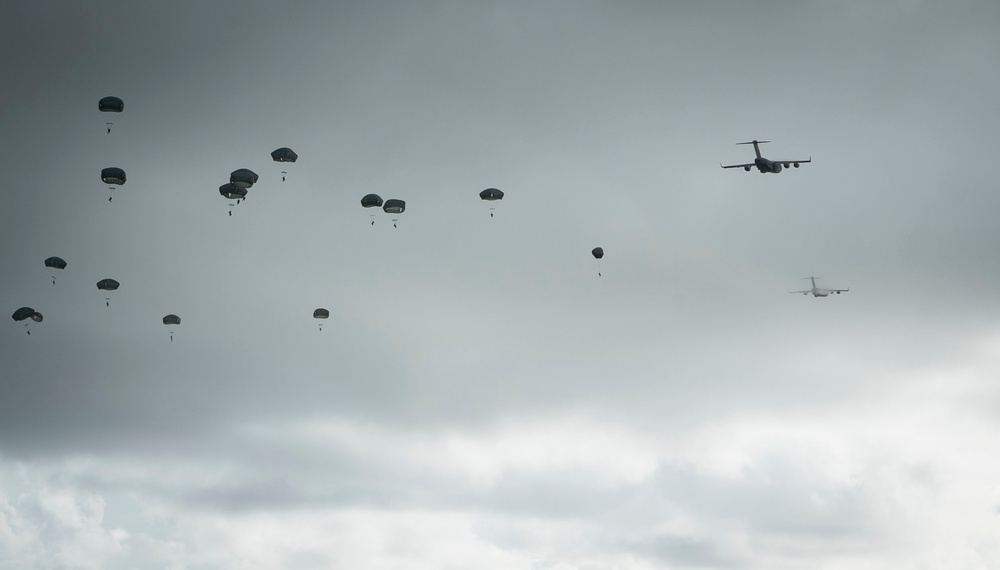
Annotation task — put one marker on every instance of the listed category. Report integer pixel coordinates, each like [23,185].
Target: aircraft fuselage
[765,165]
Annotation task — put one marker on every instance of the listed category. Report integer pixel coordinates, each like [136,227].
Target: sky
[480,396]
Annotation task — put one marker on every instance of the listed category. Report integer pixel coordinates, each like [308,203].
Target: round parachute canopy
[598,252]
[394,206]
[371,201]
[26,313]
[232,191]
[111,105]
[491,194]
[284,154]
[171,320]
[244,177]
[321,314]
[113,175]
[56,262]
[108,285]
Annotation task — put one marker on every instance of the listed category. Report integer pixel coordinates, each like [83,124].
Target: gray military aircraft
[819,291]
[765,164]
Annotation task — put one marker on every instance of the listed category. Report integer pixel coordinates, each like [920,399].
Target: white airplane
[765,164]
[818,291]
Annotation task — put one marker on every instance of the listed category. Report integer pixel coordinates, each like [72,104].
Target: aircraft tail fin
[756,148]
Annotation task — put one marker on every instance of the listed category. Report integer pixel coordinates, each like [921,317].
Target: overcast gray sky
[480,397]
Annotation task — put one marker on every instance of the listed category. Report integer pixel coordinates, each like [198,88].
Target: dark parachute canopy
[111,105]
[25,313]
[243,178]
[394,206]
[321,313]
[56,262]
[284,154]
[112,175]
[491,194]
[232,191]
[371,201]
[108,285]
[171,319]
[598,253]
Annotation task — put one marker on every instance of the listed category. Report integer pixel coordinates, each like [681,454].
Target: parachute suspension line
[598,267]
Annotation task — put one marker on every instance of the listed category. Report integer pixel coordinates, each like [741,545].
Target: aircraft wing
[837,290]
[806,291]
[791,161]
[737,165]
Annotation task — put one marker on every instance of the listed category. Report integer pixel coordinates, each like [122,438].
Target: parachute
[233,192]
[108,285]
[321,313]
[244,178]
[372,201]
[394,206]
[490,195]
[172,320]
[25,313]
[55,263]
[598,253]
[112,176]
[284,154]
[110,105]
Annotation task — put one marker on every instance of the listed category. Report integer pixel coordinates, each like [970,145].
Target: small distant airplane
[818,291]
[765,164]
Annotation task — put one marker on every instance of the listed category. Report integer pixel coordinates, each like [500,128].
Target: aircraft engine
[785,165]
[747,168]
[777,167]
[796,165]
